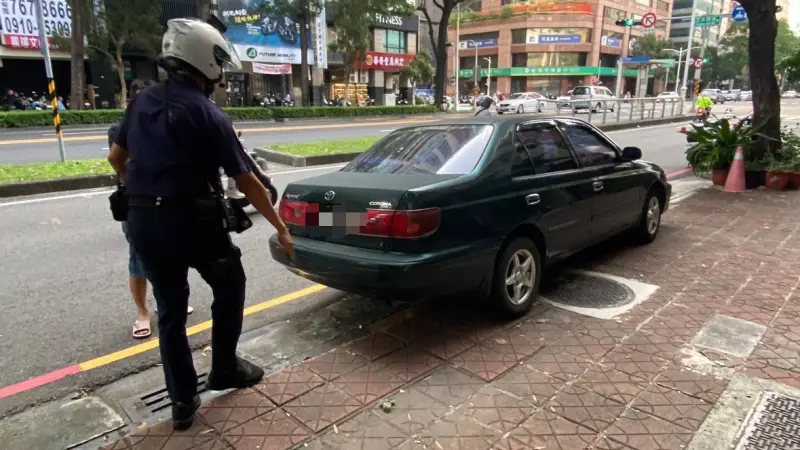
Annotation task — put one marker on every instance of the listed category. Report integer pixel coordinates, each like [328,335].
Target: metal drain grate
[774,424]
[158,400]
[586,291]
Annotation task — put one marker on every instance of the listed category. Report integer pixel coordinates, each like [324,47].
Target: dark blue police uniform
[168,174]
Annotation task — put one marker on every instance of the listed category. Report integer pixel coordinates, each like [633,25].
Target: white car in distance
[668,96]
[522,102]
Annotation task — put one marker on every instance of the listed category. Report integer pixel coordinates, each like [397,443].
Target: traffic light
[706,60]
[628,22]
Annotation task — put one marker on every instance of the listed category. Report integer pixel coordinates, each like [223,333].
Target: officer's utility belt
[231,216]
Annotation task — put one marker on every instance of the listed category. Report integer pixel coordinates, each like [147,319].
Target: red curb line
[679,173]
[41,380]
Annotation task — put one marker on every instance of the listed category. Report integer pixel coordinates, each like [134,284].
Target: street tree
[301,11]
[419,70]
[77,54]
[439,42]
[654,47]
[117,26]
[763,31]
[354,20]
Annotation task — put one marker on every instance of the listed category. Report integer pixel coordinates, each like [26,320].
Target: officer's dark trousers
[170,241]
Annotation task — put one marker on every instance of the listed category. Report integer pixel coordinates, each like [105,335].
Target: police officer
[169,149]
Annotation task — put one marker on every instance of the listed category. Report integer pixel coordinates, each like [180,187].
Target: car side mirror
[631,153]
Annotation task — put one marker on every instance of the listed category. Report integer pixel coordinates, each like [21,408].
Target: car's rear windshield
[436,149]
[581,91]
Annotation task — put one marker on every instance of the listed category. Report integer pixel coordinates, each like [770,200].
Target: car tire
[516,260]
[649,223]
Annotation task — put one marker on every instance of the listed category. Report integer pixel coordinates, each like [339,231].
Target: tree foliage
[439,42]
[419,70]
[116,26]
[654,47]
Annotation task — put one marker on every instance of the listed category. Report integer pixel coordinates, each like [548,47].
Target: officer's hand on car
[258,195]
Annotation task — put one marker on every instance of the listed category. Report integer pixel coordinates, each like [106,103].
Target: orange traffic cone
[735,181]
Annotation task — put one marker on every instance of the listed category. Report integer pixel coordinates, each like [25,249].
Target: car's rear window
[581,91]
[438,149]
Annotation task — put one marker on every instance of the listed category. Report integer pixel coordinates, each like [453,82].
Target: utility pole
[457,61]
[44,45]
[689,51]
[705,36]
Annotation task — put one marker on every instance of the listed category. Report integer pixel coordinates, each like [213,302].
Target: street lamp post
[489,77]
[456,100]
[678,69]
[476,74]
[688,50]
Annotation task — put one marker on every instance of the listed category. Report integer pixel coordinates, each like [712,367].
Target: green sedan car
[481,204]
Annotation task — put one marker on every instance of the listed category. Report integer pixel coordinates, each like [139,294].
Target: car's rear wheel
[520,109]
[517,274]
[649,223]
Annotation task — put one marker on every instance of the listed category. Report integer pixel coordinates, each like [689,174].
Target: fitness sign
[19,27]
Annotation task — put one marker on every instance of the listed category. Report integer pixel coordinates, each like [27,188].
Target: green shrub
[22,119]
[350,111]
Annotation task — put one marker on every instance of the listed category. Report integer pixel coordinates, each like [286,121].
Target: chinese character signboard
[708,21]
[467,43]
[272,69]
[259,37]
[555,39]
[19,27]
[392,62]
[609,41]
[545,71]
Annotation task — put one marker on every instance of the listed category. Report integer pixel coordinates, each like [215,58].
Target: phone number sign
[18,21]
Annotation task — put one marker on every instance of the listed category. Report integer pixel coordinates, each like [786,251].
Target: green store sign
[543,71]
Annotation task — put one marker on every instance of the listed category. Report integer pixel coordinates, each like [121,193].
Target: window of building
[479,36]
[644,2]
[539,148]
[474,5]
[518,84]
[396,41]
[613,13]
[548,59]
[662,5]
[591,148]
[522,35]
[681,4]
[519,36]
[468,62]
[607,60]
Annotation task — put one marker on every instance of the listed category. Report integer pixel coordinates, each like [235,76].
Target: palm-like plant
[716,143]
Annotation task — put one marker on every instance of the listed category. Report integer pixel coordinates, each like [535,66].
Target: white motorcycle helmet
[200,46]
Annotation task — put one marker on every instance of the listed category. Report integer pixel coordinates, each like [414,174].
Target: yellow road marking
[200,327]
[98,137]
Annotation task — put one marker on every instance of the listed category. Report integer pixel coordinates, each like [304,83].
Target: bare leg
[139,293]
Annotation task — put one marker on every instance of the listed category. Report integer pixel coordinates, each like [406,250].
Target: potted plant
[790,147]
[715,146]
[778,168]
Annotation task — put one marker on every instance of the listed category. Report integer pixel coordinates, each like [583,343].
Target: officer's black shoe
[246,375]
[183,414]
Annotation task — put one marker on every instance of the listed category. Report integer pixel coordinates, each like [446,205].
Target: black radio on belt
[234,219]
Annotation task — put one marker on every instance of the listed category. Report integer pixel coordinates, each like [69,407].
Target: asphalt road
[83,142]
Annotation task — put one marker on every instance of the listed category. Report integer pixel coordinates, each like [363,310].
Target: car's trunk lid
[336,204]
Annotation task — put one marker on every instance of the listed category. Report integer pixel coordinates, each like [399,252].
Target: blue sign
[480,43]
[739,14]
[611,41]
[636,59]
[555,39]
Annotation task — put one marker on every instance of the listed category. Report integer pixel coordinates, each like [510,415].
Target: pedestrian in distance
[137,281]
[169,149]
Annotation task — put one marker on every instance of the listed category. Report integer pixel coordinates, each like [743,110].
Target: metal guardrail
[615,110]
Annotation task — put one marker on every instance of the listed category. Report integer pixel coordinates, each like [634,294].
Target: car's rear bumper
[368,271]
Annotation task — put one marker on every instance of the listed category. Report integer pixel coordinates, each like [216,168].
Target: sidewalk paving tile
[335,363]
[322,407]
[234,408]
[369,383]
[374,346]
[412,329]
[528,383]
[449,385]
[496,409]
[412,410]
[557,364]
[641,431]
[611,383]
[706,387]
[288,384]
[273,431]
[408,363]
[547,430]
[634,362]
[585,407]
[162,437]
[365,431]
[485,362]
[455,432]
[674,406]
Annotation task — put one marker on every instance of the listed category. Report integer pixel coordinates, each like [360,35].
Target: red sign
[698,63]
[23,42]
[649,20]
[386,61]
[272,69]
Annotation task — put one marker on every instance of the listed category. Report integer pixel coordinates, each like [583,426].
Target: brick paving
[454,378]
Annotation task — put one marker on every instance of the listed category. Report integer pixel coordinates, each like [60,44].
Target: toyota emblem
[330,195]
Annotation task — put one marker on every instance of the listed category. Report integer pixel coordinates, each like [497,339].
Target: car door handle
[532,199]
[597,186]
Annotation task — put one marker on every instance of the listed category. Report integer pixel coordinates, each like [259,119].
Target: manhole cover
[586,291]
[774,424]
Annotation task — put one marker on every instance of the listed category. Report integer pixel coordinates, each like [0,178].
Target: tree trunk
[123,89]
[77,65]
[441,56]
[761,51]
[304,57]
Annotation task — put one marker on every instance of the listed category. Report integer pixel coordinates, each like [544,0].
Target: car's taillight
[401,224]
[298,213]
